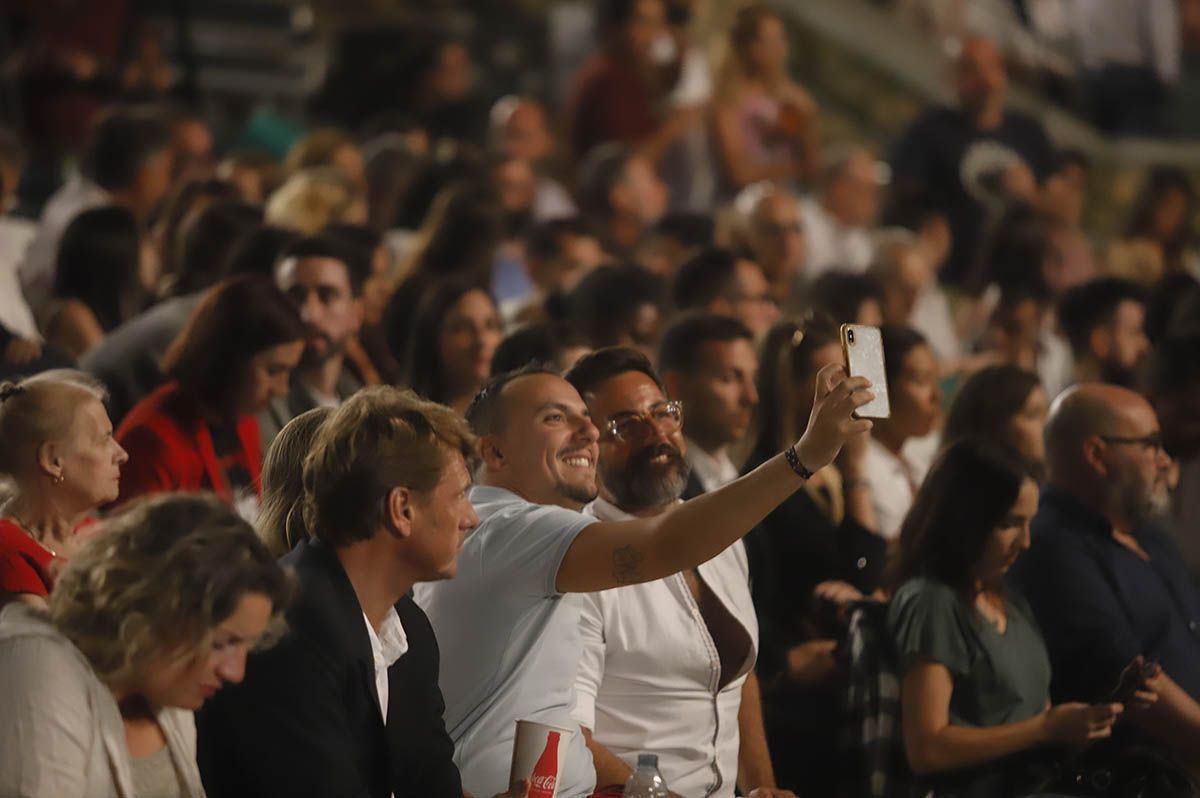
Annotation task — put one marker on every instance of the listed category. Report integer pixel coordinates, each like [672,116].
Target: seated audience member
[1063,200]
[1021,331]
[325,284]
[510,645]
[914,209]
[838,218]
[191,144]
[975,688]
[280,522]
[556,344]
[443,251]
[915,394]
[101,279]
[1105,580]
[1004,405]
[187,199]
[1104,322]
[814,552]
[619,306]
[519,126]
[677,235]
[199,430]
[722,281]
[258,251]
[653,672]
[348,702]
[911,295]
[1158,238]
[709,364]
[620,191]
[127,360]
[327,147]
[771,229]
[314,198]
[126,161]
[56,446]
[847,298]
[147,623]
[454,337]
[558,254]
[255,174]
[765,124]
[1173,387]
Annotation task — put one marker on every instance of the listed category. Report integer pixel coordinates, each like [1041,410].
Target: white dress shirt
[832,246]
[713,472]
[649,673]
[892,481]
[387,646]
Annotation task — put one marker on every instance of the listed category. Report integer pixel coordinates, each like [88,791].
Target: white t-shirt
[830,245]
[892,481]
[509,640]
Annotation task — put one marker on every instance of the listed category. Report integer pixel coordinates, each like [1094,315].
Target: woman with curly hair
[144,625]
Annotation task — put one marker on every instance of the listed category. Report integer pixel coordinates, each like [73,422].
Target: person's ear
[400,513]
[490,453]
[1100,342]
[1094,451]
[49,460]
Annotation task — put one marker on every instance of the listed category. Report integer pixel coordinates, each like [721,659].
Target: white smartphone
[863,348]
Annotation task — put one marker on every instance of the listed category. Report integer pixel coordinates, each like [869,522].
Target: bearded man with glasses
[1106,582]
[666,665]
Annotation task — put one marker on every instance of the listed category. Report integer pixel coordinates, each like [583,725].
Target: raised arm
[610,554]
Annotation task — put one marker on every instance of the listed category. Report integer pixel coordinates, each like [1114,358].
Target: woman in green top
[976,675]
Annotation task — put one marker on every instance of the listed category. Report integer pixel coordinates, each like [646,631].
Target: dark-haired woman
[813,553]
[199,431]
[975,672]
[1004,404]
[454,337]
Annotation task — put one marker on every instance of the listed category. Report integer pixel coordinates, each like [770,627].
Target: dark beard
[1116,374]
[575,493]
[641,484]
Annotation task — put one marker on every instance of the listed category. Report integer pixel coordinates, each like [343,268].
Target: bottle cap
[648,760]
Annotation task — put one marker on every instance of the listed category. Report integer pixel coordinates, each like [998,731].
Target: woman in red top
[57,446]
[199,432]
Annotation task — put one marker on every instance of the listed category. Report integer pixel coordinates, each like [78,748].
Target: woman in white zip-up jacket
[148,621]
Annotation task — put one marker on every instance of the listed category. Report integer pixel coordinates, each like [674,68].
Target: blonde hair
[312,199]
[281,520]
[379,439]
[318,148]
[158,579]
[38,410]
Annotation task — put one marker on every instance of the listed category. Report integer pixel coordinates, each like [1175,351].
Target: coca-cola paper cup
[538,753]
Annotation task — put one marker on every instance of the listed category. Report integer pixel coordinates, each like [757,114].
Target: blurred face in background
[916,395]
[720,395]
[777,238]
[768,52]
[980,78]
[1026,428]
[469,336]
[525,133]
[266,377]
[1122,345]
[647,24]
[640,194]
[751,301]
[320,290]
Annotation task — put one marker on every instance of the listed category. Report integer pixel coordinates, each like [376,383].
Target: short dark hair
[541,343]
[898,341]
[690,229]
[257,251]
[324,245]
[121,140]
[840,296]
[687,335]
[1174,364]
[485,414]
[704,277]
[208,240]
[1093,304]
[360,244]
[97,264]
[603,168]
[236,319]
[1173,304]
[604,364]
[544,239]
[911,208]
[967,493]
[987,401]
[1013,254]
[613,14]
[606,301]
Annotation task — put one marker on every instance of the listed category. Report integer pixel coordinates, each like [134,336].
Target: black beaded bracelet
[793,460]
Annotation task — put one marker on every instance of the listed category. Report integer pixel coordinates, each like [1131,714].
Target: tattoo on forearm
[627,565]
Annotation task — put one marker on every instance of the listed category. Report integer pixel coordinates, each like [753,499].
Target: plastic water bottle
[646,781]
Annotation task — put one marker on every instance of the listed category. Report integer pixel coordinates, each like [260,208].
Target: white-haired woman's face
[88,459]
[187,679]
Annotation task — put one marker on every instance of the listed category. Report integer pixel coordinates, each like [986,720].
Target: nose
[470,520]
[587,430]
[121,457]
[749,393]
[1026,537]
[232,667]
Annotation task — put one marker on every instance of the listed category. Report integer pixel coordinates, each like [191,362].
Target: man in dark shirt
[973,158]
[1104,580]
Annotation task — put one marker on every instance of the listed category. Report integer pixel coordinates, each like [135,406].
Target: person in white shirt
[837,221]
[708,362]
[127,161]
[916,404]
[508,626]
[667,665]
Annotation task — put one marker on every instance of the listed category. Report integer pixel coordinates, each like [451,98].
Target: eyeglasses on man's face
[1153,441]
[630,426]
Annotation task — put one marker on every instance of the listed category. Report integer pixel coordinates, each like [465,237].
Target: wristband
[793,461]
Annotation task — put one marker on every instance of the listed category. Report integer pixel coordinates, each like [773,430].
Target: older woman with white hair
[57,448]
[148,621]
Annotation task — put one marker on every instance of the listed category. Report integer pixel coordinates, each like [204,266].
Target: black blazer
[306,722]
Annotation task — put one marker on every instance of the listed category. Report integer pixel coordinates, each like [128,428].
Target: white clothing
[892,482]
[1132,33]
[387,646]
[830,245]
[649,673]
[712,472]
[15,314]
[932,318]
[37,269]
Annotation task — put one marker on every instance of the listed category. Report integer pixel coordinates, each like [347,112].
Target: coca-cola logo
[543,783]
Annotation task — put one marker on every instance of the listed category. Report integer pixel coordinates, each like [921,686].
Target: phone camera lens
[850,336]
